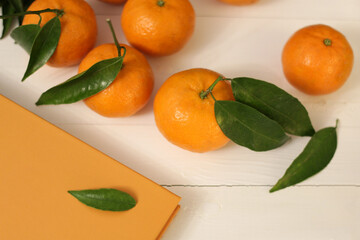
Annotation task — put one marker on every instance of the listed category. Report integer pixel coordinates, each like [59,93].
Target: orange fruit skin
[183,117]
[78,29]
[131,89]
[156,30]
[114,1]
[239,2]
[311,66]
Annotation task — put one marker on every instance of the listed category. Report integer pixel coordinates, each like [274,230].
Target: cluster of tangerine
[316,60]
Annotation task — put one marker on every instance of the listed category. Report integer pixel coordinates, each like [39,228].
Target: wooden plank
[245,41]
[255,52]
[144,149]
[251,56]
[284,9]
[298,213]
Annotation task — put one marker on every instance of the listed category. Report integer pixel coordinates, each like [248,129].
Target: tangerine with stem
[317,59]
[184,111]
[158,27]
[132,87]
[78,29]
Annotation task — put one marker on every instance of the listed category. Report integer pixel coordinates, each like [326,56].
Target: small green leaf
[7,9]
[83,85]
[248,127]
[315,157]
[105,199]
[25,35]
[274,103]
[44,46]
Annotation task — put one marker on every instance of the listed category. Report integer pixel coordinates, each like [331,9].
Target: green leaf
[25,35]
[85,84]
[7,9]
[19,7]
[17,4]
[105,199]
[315,157]
[274,103]
[248,127]
[44,46]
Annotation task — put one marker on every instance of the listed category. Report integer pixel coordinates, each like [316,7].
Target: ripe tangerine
[130,90]
[158,27]
[317,59]
[78,29]
[183,117]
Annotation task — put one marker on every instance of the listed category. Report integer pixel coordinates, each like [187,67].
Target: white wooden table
[225,192]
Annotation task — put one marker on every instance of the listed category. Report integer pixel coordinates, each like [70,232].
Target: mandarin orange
[130,90]
[183,117]
[158,27]
[78,29]
[317,59]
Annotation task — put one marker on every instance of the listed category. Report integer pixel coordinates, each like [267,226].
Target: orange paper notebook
[40,163]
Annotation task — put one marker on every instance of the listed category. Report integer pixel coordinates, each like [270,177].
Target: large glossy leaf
[25,35]
[315,157]
[105,199]
[7,9]
[85,84]
[248,127]
[44,46]
[274,103]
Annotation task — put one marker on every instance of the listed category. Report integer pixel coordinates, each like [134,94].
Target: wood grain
[225,192]
[297,213]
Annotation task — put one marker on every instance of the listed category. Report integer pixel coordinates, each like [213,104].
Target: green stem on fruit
[58,12]
[40,19]
[119,48]
[327,42]
[212,95]
[203,94]
[160,3]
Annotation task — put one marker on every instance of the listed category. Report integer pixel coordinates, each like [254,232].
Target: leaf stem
[212,95]
[203,94]
[40,19]
[58,12]
[115,39]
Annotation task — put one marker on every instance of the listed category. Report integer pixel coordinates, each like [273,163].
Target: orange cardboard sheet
[39,163]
